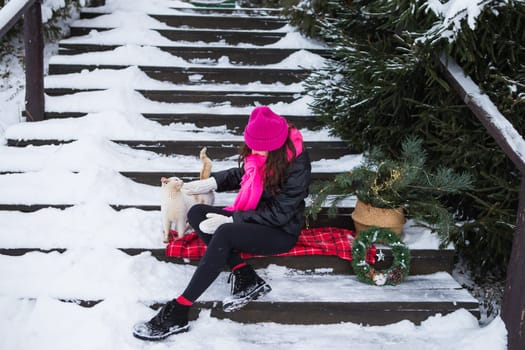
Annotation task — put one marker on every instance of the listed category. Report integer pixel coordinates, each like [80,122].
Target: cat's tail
[206,164]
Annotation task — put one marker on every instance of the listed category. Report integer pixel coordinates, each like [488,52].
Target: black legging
[226,243]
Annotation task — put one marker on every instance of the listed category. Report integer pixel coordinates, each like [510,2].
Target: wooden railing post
[513,145]
[513,307]
[34,53]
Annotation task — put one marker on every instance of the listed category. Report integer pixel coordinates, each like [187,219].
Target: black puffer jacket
[285,210]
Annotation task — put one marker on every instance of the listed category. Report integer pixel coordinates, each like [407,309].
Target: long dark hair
[276,169]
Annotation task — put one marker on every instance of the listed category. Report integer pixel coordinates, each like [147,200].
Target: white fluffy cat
[176,203]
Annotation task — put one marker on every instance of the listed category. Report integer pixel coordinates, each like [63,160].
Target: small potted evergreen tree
[387,190]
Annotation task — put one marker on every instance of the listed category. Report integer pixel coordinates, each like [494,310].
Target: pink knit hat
[266,131]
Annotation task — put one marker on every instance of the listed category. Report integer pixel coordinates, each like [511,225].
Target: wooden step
[94,3]
[365,313]
[87,13]
[236,55]
[235,98]
[216,149]
[206,4]
[424,261]
[225,149]
[182,75]
[325,299]
[235,123]
[239,11]
[299,298]
[342,219]
[31,208]
[371,312]
[222,22]
[317,313]
[153,177]
[258,38]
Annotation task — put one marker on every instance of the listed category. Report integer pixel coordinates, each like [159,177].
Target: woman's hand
[213,221]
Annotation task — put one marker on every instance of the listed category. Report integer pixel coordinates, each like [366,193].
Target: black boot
[246,286]
[172,318]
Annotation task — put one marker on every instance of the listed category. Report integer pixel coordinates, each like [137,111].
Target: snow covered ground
[50,324]
[30,285]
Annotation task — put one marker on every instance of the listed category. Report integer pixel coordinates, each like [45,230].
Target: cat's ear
[164,180]
[178,185]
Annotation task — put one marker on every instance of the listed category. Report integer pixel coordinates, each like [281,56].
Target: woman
[265,219]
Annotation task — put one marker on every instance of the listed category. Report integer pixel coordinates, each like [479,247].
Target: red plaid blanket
[314,241]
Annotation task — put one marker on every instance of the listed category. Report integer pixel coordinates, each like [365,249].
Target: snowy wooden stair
[235,55]
[235,98]
[222,63]
[217,149]
[298,297]
[245,19]
[235,123]
[185,75]
[418,298]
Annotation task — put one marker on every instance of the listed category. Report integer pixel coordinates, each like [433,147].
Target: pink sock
[183,301]
[238,266]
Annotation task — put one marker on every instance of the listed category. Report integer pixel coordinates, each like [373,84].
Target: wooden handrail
[496,124]
[34,50]
[513,145]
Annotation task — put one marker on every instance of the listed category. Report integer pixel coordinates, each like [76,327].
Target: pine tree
[384,83]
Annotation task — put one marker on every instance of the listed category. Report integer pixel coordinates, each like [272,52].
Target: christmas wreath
[360,262]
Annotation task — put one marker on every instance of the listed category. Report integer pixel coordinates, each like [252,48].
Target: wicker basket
[365,215]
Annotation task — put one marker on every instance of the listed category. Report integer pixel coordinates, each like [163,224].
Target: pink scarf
[252,181]
[251,184]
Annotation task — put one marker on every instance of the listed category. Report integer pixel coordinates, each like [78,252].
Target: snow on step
[133,78]
[177,18]
[102,186]
[131,27]
[123,36]
[92,224]
[176,8]
[116,115]
[95,185]
[136,54]
[204,54]
[108,273]
[128,100]
[104,154]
